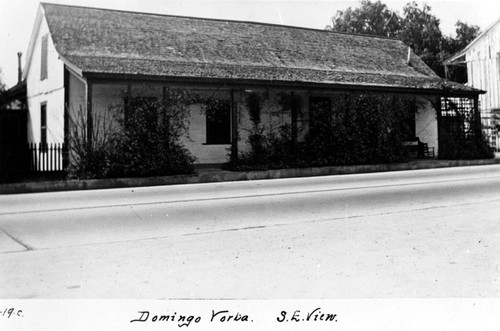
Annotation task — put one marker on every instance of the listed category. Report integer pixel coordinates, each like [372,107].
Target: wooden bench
[429,151]
[418,149]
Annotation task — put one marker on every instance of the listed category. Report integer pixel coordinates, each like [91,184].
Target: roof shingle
[118,42]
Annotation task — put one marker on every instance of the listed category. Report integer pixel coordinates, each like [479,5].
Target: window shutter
[43,67]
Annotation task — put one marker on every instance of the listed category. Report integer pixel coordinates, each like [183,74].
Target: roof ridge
[223,20]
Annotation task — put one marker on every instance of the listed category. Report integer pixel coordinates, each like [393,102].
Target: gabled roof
[456,58]
[100,41]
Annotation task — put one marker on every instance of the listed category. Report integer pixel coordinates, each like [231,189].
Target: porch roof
[100,41]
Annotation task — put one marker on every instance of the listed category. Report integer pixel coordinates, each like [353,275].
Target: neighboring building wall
[49,90]
[483,72]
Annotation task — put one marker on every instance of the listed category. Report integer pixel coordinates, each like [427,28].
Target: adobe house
[85,59]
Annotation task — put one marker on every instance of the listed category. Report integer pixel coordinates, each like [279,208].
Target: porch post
[234,128]
[66,120]
[294,110]
[89,113]
[477,114]
[128,105]
[439,123]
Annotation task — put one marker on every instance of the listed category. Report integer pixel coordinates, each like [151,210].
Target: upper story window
[44,56]
[43,124]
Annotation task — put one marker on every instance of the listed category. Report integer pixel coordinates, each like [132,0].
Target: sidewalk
[209,175]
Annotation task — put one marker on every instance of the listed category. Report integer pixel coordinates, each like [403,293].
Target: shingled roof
[100,41]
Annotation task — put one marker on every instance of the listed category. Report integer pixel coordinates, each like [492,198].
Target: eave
[245,83]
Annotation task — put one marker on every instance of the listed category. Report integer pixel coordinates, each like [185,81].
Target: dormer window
[44,47]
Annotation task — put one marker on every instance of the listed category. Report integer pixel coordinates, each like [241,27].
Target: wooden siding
[483,68]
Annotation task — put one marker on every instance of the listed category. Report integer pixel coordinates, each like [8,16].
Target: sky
[17,17]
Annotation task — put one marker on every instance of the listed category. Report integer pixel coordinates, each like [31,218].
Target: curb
[226,176]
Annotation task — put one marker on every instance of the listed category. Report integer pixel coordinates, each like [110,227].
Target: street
[409,234]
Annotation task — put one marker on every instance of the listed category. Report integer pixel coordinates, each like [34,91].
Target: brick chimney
[19,68]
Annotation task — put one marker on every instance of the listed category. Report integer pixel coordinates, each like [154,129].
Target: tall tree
[373,18]
[465,34]
[2,91]
[417,27]
[420,29]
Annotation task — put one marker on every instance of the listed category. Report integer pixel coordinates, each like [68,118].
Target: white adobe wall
[77,103]
[106,95]
[196,140]
[49,90]
[426,125]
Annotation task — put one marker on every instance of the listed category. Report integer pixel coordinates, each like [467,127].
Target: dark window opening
[219,123]
[44,56]
[43,125]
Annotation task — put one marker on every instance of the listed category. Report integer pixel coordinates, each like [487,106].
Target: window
[43,124]
[219,123]
[43,66]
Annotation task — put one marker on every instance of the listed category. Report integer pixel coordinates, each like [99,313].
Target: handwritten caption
[226,316]
[12,313]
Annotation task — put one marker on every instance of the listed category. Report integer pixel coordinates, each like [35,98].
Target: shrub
[144,139]
[90,158]
[353,129]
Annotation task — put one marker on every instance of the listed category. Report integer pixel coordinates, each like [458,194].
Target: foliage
[372,18]
[465,34]
[90,158]
[144,139]
[149,142]
[256,138]
[417,27]
[461,148]
[356,129]
[360,129]
[253,105]
[465,144]
[420,29]
[2,91]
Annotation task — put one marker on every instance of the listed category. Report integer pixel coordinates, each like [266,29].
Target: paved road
[425,233]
